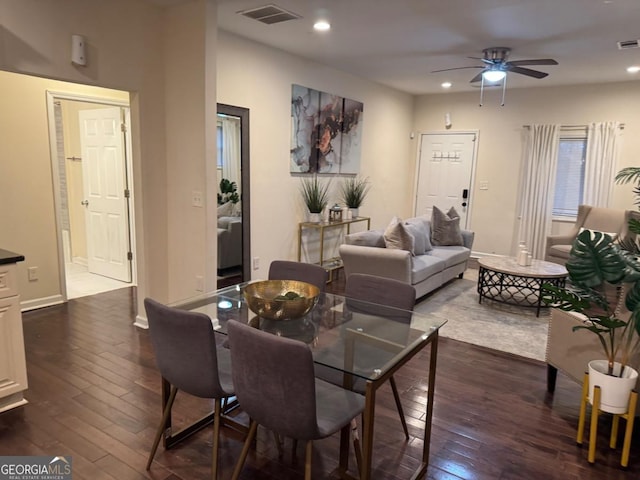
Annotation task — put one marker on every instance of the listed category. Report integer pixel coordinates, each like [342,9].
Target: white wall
[260,78]
[494,216]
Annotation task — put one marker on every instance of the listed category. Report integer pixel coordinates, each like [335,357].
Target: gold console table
[333,263]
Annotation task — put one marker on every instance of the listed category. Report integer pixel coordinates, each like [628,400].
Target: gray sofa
[229,242]
[366,252]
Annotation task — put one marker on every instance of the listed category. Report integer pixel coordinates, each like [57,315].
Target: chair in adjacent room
[186,354]
[275,385]
[302,272]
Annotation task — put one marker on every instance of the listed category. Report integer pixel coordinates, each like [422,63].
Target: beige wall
[494,215]
[139,48]
[27,211]
[260,78]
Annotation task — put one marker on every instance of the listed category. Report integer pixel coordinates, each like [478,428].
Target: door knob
[85,203]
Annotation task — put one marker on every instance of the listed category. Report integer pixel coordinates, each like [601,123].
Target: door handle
[85,203]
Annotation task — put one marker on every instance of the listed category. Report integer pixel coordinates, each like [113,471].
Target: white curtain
[537,186]
[601,160]
[231,149]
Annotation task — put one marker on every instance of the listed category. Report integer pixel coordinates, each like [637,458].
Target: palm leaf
[594,260]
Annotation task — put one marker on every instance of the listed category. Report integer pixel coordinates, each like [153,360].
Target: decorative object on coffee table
[502,279]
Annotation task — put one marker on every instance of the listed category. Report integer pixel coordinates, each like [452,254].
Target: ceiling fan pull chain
[504,89]
[481,89]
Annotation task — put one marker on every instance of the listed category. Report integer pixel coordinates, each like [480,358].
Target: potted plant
[604,286]
[315,195]
[354,190]
[228,192]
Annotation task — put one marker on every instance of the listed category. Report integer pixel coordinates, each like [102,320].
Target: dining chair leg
[278,441]
[165,416]
[396,397]
[245,450]
[216,438]
[307,460]
[357,450]
[294,448]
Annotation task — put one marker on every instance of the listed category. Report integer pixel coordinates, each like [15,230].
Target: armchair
[608,220]
[229,242]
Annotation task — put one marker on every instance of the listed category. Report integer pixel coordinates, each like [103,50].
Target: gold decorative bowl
[281,299]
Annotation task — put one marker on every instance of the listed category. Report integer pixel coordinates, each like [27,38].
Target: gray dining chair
[275,385]
[185,348]
[302,272]
[377,296]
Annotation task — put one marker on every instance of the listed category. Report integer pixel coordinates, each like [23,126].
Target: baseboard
[141,322]
[81,261]
[41,302]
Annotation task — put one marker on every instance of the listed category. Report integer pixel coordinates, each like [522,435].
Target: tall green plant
[602,278]
[228,192]
[354,190]
[315,193]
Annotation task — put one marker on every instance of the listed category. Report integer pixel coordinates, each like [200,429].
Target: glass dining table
[352,339]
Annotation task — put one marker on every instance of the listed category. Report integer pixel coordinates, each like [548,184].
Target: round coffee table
[503,280]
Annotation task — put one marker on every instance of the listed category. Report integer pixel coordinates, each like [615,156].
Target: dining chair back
[275,385]
[302,272]
[379,296]
[185,349]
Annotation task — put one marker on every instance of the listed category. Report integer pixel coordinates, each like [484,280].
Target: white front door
[105,200]
[444,171]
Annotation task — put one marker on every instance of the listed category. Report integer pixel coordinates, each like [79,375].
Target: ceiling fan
[496,67]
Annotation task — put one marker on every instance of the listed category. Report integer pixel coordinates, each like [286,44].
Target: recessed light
[321,26]
[446,84]
[633,69]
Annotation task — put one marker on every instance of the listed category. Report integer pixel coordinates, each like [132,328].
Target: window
[569,175]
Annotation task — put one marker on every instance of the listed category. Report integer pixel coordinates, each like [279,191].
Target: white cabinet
[13,368]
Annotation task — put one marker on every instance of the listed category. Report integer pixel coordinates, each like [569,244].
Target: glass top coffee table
[503,280]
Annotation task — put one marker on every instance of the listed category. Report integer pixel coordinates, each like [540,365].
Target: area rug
[508,328]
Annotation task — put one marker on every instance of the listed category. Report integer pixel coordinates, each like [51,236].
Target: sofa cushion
[396,236]
[451,255]
[425,266]
[445,228]
[561,251]
[367,238]
[225,210]
[419,228]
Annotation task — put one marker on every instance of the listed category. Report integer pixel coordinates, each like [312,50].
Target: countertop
[10,257]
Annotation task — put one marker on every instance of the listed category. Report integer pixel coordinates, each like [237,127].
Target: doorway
[91,142]
[444,173]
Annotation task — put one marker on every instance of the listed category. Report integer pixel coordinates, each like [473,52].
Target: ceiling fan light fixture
[633,69]
[322,26]
[494,75]
[446,84]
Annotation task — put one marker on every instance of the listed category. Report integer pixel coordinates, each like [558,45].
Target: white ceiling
[399,42]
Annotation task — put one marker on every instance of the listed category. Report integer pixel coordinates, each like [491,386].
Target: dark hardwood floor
[94,394]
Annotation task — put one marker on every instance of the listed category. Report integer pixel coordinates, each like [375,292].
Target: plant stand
[629,416]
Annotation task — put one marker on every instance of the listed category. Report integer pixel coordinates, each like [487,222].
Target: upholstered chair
[275,385]
[369,294]
[608,220]
[185,348]
[302,272]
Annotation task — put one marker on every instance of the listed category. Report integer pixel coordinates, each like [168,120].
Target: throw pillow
[445,230]
[397,236]
[225,210]
[419,229]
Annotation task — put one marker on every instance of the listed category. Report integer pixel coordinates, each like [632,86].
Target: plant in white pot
[604,286]
[353,191]
[315,194]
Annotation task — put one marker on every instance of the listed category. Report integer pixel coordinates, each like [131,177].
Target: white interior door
[104,179]
[445,167]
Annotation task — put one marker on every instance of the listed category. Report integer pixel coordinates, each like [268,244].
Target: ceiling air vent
[269,14]
[628,44]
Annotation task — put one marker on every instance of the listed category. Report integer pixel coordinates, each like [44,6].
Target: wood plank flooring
[94,393]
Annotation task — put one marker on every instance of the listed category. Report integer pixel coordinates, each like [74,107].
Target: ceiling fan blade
[477,78]
[485,60]
[457,68]
[539,61]
[526,71]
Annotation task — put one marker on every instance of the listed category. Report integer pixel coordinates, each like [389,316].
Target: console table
[333,263]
